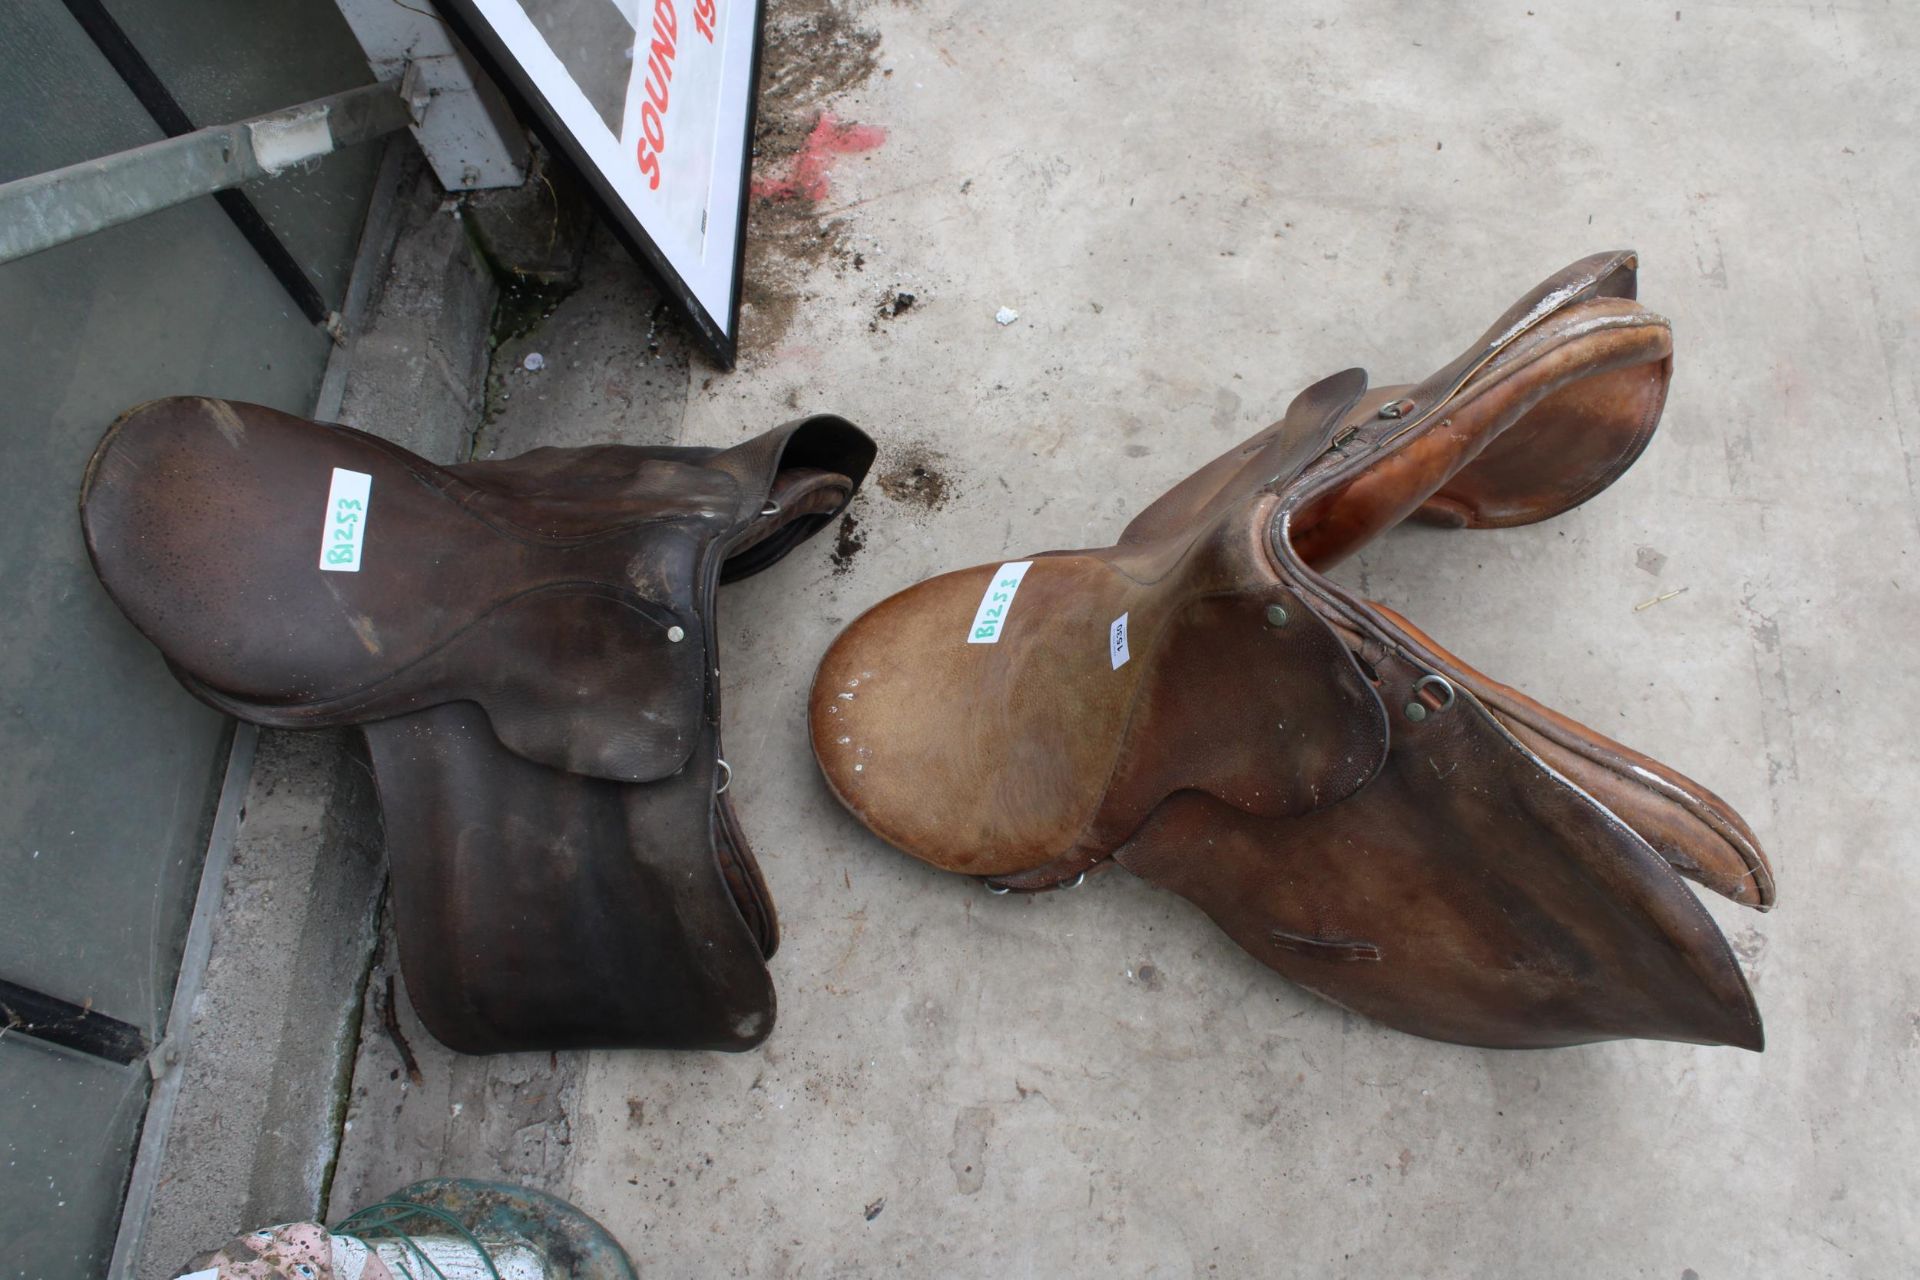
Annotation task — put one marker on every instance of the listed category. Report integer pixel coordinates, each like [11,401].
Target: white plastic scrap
[1005,315]
[534,362]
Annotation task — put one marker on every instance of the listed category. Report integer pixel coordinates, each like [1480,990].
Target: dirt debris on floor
[918,477]
[417,1109]
[847,542]
[894,304]
[607,362]
[813,52]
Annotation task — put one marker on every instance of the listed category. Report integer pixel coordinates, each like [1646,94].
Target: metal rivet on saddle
[676,634]
[1416,709]
[1276,615]
[1000,890]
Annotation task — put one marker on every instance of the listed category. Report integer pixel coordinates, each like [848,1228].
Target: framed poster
[652,100]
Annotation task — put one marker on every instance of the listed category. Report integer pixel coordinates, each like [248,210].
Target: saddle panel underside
[1549,420]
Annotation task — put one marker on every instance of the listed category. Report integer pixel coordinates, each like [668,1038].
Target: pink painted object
[806,177]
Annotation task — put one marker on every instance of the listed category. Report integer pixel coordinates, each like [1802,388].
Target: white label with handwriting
[991,616]
[346,524]
[1117,642]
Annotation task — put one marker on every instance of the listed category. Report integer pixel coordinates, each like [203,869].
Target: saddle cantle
[528,647]
[1354,805]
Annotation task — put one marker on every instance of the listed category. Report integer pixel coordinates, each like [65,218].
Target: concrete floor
[1195,212]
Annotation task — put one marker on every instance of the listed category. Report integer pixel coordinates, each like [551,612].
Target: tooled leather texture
[1441,870]
[528,648]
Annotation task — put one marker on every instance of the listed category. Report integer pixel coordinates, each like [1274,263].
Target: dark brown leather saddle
[528,647]
[1357,807]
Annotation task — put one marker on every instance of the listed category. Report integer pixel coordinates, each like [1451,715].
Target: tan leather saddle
[528,648]
[1357,807]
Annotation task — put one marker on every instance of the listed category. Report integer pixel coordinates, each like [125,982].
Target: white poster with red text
[655,93]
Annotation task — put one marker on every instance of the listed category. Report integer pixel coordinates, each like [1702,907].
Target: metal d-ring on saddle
[528,647]
[1357,807]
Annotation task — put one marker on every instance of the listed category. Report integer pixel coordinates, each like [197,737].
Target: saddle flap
[1473,895]
[537,909]
[300,574]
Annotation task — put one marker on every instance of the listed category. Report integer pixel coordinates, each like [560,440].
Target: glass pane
[112,767]
[225,60]
[67,1128]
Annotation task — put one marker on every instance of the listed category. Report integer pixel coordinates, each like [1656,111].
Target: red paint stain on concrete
[806,178]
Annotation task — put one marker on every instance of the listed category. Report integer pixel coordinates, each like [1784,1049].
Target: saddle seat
[1357,807]
[527,647]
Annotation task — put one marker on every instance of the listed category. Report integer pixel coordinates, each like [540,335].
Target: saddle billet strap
[821,443]
[1068,871]
[741,870]
[800,501]
[1699,834]
[801,495]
